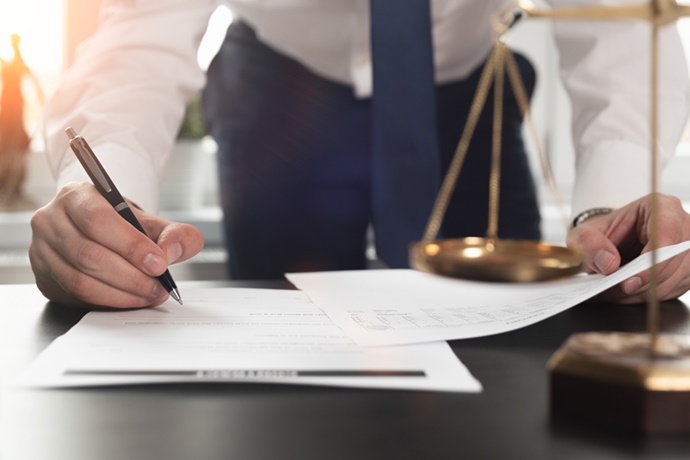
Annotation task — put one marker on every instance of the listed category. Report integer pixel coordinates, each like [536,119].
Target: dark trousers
[295,162]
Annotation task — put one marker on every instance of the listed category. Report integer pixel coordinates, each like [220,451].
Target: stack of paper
[237,335]
[363,329]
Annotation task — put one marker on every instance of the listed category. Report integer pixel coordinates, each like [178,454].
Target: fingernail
[155,264]
[631,285]
[158,291]
[174,252]
[603,260]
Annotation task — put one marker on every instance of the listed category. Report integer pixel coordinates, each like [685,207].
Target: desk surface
[509,420]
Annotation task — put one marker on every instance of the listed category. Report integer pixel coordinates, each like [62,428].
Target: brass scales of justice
[630,381]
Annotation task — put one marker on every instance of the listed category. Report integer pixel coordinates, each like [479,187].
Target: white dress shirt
[127,89]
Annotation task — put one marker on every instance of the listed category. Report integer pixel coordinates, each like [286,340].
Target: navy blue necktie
[405,168]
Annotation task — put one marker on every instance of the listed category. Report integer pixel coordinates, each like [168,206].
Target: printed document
[237,335]
[387,307]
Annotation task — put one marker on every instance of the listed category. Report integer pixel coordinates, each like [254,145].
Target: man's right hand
[84,254]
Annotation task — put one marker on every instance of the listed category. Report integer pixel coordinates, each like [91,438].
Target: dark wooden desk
[509,420]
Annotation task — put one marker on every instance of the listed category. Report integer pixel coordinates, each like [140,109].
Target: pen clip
[89,160]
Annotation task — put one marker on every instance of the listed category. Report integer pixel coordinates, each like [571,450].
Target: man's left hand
[608,241]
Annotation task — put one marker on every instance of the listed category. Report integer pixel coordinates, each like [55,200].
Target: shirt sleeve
[126,92]
[606,69]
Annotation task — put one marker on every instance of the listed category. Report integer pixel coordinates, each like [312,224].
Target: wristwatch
[584,215]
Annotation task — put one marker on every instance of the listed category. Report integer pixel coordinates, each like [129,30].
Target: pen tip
[176,295]
[71,132]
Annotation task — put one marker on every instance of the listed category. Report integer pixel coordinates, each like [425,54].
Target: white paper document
[387,307]
[237,335]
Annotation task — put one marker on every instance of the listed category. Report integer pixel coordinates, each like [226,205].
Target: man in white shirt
[126,95]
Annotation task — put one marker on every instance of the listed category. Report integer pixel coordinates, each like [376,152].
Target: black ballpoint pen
[106,188]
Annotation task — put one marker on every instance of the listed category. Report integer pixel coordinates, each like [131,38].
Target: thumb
[599,254]
[180,241]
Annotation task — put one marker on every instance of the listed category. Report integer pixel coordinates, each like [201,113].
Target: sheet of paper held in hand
[237,335]
[387,307]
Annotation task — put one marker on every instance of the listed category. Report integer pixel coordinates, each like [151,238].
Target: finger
[97,221]
[65,284]
[179,241]
[599,253]
[673,226]
[667,272]
[55,231]
[95,256]
[672,280]
[671,284]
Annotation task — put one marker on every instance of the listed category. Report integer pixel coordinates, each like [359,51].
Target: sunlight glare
[39,24]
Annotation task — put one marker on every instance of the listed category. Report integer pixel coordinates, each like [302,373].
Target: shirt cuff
[134,176]
[610,175]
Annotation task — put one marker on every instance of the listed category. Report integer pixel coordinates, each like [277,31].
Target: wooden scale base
[611,379]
